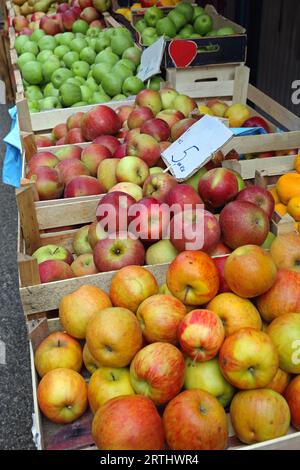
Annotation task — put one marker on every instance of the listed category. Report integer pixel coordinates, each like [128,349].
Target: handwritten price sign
[151,60]
[196,147]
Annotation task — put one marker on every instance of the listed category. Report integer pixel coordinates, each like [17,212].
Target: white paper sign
[151,60]
[196,147]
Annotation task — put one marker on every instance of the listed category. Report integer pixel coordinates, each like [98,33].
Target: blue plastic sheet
[12,165]
[244,131]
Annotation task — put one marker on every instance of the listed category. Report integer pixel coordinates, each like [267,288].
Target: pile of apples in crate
[167,362]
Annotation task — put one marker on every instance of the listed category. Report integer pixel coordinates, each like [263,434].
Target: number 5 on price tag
[196,147]
[151,60]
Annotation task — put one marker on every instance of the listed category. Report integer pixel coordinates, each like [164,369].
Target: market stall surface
[15,379]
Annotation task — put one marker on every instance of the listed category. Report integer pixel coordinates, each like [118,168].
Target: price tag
[196,147]
[151,60]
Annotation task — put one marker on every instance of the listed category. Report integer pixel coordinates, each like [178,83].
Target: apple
[47,252]
[84,265]
[183,195]
[292,396]
[201,412]
[193,181]
[80,243]
[59,131]
[159,317]
[220,250]
[145,147]
[123,113]
[78,307]
[131,189]
[250,271]
[42,159]
[106,173]
[184,104]
[164,145]
[157,371]
[96,233]
[259,415]
[43,141]
[58,350]
[260,197]
[143,429]
[243,223]
[218,187]
[285,251]
[117,251]
[193,278]
[220,265]
[167,95]
[218,108]
[69,17]
[150,220]
[139,116]
[89,361]
[19,22]
[131,286]
[150,99]
[180,127]
[114,336]
[248,359]
[284,331]
[121,151]
[89,14]
[158,186]
[68,152]
[133,170]
[207,376]
[47,182]
[170,116]
[54,270]
[201,334]
[83,186]
[93,155]
[109,141]
[161,252]
[237,114]
[157,128]
[74,136]
[98,121]
[62,395]
[112,211]
[131,134]
[50,26]
[257,121]
[74,121]
[85,3]
[280,382]
[70,168]
[235,313]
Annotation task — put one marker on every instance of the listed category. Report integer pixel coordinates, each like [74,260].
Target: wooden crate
[77,435]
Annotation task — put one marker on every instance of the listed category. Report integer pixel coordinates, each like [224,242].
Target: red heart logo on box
[182,52]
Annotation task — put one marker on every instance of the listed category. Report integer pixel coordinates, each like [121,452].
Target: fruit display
[166,364]
[183,22]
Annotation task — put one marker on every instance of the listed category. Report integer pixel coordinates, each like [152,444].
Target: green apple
[80,26]
[33,106]
[30,46]
[101,43]
[49,67]
[70,94]
[152,15]
[198,11]
[228,31]
[50,102]
[61,50]
[119,97]
[69,58]
[50,90]
[37,35]
[155,83]
[93,32]
[60,76]
[75,81]
[207,376]
[133,54]
[122,71]
[32,72]
[112,84]
[149,36]
[66,38]
[79,36]
[45,55]
[128,63]
[99,97]
[79,104]
[186,9]
[34,93]
[100,70]
[194,180]
[107,56]
[20,41]
[47,43]
[268,242]
[178,19]
[24,58]
[91,42]
[186,32]
[212,33]
[86,93]
[80,68]
[203,24]
[166,27]
[140,25]
[161,252]
[78,44]
[92,84]
[196,36]
[132,86]
[122,32]
[120,43]
[88,55]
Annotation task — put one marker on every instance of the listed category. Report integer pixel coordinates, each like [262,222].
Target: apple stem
[186,294]
[113,377]
[58,343]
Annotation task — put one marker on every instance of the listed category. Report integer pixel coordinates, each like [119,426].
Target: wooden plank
[64,239]
[23,115]
[29,145]
[241,83]
[28,270]
[263,143]
[274,165]
[46,297]
[28,219]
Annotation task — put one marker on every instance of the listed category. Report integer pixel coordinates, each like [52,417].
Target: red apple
[74,121]
[50,26]
[112,211]
[292,396]
[123,113]
[47,181]
[89,14]
[42,159]
[98,24]
[266,155]
[26,32]
[260,197]
[74,136]
[139,116]
[131,134]
[157,371]
[243,223]
[43,141]
[150,99]
[181,127]
[98,121]
[163,146]
[68,152]
[218,187]
[109,141]
[117,251]
[150,219]
[59,21]
[59,131]
[19,22]
[220,250]
[70,168]
[61,141]
[85,3]
[143,429]
[121,151]
[157,128]
[184,104]
[145,147]
[220,265]
[83,186]
[183,195]
[54,270]
[69,17]
[257,121]
[170,116]
[63,7]
[93,155]
[84,265]
[158,186]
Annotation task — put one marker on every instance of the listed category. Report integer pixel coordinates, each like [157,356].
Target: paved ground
[15,380]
